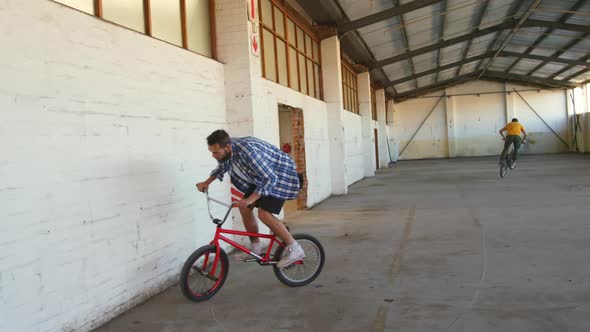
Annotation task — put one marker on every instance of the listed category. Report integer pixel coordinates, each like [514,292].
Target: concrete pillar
[393,149]
[382,128]
[332,81]
[242,68]
[451,126]
[364,92]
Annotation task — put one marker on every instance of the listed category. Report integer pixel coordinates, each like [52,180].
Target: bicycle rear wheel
[198,281]
[306,270]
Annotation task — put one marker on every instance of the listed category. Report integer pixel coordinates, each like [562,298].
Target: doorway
[292,142]
[376,149]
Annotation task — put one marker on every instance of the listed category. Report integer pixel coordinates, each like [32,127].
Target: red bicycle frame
[262,260]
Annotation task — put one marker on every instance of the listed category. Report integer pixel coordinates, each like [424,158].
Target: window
[83,5]
[373,105]
[186,23]
[349,88]
[128,13]
[290,53]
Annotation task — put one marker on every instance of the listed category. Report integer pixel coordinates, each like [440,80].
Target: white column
[393,143]
[451,131]
[364,92]
[382,128]
[332,81]
[241,68]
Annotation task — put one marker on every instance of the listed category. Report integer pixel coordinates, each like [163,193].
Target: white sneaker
[294,253]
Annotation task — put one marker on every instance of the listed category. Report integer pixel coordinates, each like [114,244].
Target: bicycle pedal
[249,260]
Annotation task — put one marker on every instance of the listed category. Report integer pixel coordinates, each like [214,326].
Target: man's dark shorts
[270,203]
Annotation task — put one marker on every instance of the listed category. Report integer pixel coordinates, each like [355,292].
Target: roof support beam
[383,15]
[439,69]
[476,24]
[545,58]
[509,24]
[514,8]
[530,23]
[441,33]
[529,79]
[405,39]
[502,26]
[543,82]
[541,38]
[521,21]
[573,43]
[561,71]
[481,57]
[436,86]
[576,74]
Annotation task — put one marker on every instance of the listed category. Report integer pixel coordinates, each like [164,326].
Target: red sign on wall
[253,10]
[255,44]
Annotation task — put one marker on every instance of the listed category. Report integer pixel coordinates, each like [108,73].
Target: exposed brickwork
[299,153]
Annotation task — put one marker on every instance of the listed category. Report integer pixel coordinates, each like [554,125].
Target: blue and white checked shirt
[256,162]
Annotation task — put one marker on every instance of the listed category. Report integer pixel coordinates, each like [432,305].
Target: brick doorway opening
[292,141]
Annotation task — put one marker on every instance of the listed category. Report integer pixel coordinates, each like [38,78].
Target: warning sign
[255,44]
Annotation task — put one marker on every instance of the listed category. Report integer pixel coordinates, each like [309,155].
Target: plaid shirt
[255,162]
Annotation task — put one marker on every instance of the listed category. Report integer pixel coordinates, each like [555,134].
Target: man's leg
[507,143]
[251,226]
[517,140]
[294,252]
[276,226]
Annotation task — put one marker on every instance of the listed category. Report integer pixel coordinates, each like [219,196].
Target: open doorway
[292,142]
[376,149]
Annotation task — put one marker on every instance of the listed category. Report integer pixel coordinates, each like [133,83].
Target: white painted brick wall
[102,138]
[353,147]
[477,119]
[315,117]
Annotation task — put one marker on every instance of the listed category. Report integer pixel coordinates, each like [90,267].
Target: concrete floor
[437,245]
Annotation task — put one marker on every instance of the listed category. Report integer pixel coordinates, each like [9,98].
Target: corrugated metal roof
[420,36]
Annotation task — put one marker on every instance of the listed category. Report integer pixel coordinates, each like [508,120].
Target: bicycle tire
[510,160]
[189,266]
[503,170]
[313,248]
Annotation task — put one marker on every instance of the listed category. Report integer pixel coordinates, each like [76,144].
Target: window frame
[292,42]
[349,88]
[147,20]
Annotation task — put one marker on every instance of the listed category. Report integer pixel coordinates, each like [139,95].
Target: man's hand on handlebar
[202,186]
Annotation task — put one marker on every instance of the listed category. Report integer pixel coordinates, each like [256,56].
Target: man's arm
[501,132]
[202,186]
[217,173]
[524,134]
[266,175]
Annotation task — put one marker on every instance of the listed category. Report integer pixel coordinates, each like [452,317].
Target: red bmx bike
[206,269]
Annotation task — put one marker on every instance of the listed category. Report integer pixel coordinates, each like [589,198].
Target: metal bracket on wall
[423,122]
[548,126]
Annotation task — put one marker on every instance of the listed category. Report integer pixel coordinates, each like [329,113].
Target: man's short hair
[514,120]
[220,137]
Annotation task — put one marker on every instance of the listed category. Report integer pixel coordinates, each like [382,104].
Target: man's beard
[227,156]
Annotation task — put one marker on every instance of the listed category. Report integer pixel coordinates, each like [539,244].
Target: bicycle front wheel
[306,270]
[203,273]
[503,170]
